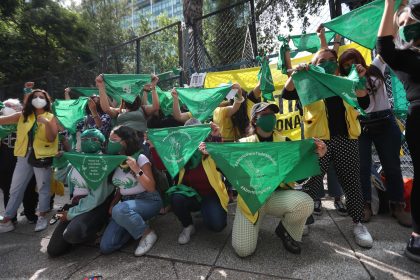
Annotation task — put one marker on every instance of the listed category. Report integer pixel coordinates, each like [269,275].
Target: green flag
[202,101]
[281,60]
[310,42]
[314,85]
[257,169]
[176,145]
[399,95]
[85,91]
[93,168]
[125,86]
[5,130]
[70,112]
[265,78]
[165,100]
[362,24]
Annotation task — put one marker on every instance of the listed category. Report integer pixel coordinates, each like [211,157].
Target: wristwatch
[139,174]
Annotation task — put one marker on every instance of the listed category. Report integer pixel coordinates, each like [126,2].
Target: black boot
[413,248]
[291,245]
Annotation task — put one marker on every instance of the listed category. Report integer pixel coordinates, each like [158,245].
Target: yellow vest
[215,179]
[277,137]
[42,147]
[316,121]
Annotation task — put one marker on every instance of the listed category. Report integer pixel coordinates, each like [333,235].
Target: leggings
[345,154]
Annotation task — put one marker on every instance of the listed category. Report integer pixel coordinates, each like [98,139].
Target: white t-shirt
[378,100]
[127,183]
[80,187]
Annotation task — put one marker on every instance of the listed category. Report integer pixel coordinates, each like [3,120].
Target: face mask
[410,32]
[347,70]
[7,111]
[39,103]
[90,146]
[329,66]
[113,148]
[267,122]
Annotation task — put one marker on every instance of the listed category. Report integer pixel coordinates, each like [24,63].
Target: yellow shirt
[227,130]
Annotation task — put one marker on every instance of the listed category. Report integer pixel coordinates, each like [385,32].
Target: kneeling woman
[136,200]
[88,212]
[291,206]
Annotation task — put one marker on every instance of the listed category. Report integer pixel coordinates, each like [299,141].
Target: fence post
[253,29]
[138,56]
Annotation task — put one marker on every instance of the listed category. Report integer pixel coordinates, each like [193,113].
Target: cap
[262,106]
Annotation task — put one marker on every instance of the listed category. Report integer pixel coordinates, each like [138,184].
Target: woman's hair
[98,106]
[240,119]
[29,109]
[132,106]
[130,137]
[315,59]
[371,71]
[413,10]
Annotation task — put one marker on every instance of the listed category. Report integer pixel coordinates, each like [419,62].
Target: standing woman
[36,144]
[334,121]
[404,60]
[379,127]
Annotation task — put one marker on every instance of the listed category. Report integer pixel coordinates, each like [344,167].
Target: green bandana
[176,145]
[165,101]
[329,66]
[90,146]
[202,101]
[310,42]
[113,148]
[267,122]
[399,95]
[362,24]
[70,112]
[94,168]
[314,85]
[125,86]
[184,190]
[265,78]
[281,60]
[257,169]
[410,32]
[5,130]
[85,91]
[195,160]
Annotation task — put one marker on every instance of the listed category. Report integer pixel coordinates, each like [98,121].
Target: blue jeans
[214,215]
[388,145]
[129,220]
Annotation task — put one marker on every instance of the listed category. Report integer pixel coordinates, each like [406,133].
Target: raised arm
[103,98]
[387,27]
[150,109]
[11,119]
[176,112]
[320,31]
[51,128]
[237,101]
[67,93]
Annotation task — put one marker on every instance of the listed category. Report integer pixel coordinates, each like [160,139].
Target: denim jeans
[388,145]
[129,218]
[214,215]
[21,176]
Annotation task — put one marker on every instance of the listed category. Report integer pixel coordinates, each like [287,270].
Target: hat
[262,106]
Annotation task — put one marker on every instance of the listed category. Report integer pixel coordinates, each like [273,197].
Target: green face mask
[347,70]
[113,148]
[90,146]
[267,122]
[329,66]
[410,32]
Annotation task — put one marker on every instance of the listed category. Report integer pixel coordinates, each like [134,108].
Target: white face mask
[7,111]
[39,103]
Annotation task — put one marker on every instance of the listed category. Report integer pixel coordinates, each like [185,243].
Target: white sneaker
[362,236]
[41,224]
[185,235]
[146,243]
[6,227]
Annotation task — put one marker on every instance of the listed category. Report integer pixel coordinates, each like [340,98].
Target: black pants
[7,166]
[345,154]
[412,134]
[79,230]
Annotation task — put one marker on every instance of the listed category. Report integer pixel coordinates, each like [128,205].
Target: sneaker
[398,212]
[362,236]
[367,213]
[288,242]
[310,220]
[41,224]
[146,243]
[413,248]
[185,235]
[317,207]
[6,227]
[340,207]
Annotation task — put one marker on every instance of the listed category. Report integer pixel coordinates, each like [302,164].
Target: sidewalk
[328,252]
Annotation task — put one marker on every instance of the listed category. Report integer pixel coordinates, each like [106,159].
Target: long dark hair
[29,109]
[240,119]
[132,106]
[131,139]
[371,71]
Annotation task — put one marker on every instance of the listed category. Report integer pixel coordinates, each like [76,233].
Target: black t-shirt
[405,64]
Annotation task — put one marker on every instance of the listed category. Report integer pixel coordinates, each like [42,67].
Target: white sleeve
[142,160]
[378,63]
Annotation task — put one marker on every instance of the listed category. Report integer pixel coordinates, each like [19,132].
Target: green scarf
[85,91]
[125,86]
[70,112]
[265,78]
